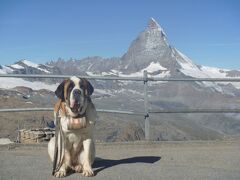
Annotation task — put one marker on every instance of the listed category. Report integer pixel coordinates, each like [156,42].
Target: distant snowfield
[154,67]
[151,68]
[17,66]
[192,70]
[140,74]
[8,83]
[102,91]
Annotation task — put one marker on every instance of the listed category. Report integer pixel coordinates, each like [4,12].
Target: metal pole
[146,117]
[18,133]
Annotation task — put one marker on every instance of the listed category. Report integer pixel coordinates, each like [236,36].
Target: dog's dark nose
[76,93]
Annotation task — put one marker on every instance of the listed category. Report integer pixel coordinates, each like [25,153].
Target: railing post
[18,132]
[146,117]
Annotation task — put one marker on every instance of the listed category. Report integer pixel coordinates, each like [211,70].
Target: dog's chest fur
[75,135]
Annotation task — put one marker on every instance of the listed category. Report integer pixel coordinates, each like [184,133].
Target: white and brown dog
[77,117]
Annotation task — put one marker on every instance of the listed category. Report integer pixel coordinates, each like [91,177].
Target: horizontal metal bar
[114,78]
[120,112]
[34,76]
[25,109]
[133,112]
[122,78]
[195,79]
[51,109]
[196,111]
[68,76]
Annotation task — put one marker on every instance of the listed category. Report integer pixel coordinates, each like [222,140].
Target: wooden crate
[37,135]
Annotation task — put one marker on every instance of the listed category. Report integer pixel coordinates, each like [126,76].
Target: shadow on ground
[102,164]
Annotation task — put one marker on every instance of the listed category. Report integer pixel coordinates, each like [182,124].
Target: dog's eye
[81,86]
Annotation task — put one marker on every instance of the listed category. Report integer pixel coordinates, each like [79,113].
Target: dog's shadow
[101,164]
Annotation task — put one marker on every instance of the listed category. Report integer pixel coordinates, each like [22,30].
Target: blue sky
[208,31]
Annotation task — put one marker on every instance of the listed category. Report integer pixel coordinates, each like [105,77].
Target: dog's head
[75,93]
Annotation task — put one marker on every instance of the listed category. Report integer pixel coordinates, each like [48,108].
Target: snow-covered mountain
[149,51]
[28,67]
[151,47]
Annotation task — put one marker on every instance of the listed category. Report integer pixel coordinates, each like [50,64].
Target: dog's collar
[79,116]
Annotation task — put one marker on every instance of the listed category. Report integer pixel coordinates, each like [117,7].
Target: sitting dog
[76,149]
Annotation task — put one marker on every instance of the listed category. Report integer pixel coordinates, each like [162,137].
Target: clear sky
[208,31]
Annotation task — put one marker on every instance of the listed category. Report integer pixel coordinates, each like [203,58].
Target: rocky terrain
[150,51]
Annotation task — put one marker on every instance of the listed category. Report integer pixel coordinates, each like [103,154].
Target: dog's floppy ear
[60,90]
[88,87]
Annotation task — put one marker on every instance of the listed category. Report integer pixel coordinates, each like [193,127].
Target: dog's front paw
[78,168]
[60,173]
[88,172]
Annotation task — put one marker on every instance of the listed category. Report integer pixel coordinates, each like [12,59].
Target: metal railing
[145,79]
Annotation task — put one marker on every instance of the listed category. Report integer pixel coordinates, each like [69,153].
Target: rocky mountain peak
[153,24]
[150,46]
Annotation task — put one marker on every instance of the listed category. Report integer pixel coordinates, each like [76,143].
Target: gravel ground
[140,160]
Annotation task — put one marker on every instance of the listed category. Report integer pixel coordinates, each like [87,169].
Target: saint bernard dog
[77,115]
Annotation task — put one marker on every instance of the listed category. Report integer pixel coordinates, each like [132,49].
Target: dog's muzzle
[76,103]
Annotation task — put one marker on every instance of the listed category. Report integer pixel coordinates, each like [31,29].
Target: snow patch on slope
[214,72]
[192,70]
[151,68]
[103,92]
[140,74]
[188,67]
[31,64]
[16,66]
[5,70]
[9,83]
